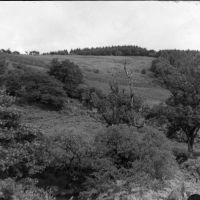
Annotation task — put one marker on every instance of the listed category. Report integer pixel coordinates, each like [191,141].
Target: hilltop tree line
[59,52]
[115,51]
[125,50]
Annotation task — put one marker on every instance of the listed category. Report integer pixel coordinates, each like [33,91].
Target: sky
[48,26]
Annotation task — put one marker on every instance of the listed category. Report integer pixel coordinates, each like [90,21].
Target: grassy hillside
[99,70]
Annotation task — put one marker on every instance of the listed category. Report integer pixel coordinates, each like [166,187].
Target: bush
[180,154]
[68,73]
[121,108]
[136,152]
[193,167]
[143,71]
[2,66]
[9,189]
[73,164]
[24,153]
[161,68]
[90,97]
[9,117]
[13,81]
[96,71]
[6,100]
[35,87]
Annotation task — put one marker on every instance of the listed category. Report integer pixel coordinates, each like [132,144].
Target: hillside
[99,70]
[76,121]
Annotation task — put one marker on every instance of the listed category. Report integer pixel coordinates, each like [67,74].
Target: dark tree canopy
[68,73]
[182,108]
[59,52]
[128,50]
[35,87]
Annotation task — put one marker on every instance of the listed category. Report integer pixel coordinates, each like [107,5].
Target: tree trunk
[190,146]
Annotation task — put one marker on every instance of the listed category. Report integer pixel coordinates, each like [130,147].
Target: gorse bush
[193,167]
[68,73]
[143,71]
[24,153]
[22,149]
[146,150]
[35,87]
[6,100]
[9,117]
[125,153]
[119,107]
[9,190]
[91,97]
[2,66]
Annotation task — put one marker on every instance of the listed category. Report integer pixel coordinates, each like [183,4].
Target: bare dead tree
[137,119]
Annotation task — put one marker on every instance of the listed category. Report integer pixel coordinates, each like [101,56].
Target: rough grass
[74,119]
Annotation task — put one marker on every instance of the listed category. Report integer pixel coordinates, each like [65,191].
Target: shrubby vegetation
[117,153]
[68,73]
[71,163]
[35,87]
[60,52]
[2,66]
[90,97]
[144,150]
[115,51]
[182,80]
[120,107]
[23,153]
[24,191]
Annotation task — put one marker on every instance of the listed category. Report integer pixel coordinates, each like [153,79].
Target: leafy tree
[182,108]
[145,150]
[34,53]
[68,73]
[35,87]
[123,107]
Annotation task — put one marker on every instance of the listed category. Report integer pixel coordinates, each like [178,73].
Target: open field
[99,70]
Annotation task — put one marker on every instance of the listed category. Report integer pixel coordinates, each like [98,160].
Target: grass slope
[99,70]
[75,119]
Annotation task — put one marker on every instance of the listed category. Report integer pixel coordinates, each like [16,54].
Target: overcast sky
[46,26]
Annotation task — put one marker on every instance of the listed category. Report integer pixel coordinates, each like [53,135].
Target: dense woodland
[134,148]
[115,51]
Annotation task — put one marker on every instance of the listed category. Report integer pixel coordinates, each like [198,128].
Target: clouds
[49,26]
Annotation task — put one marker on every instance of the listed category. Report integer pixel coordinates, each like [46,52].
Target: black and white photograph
[99,100]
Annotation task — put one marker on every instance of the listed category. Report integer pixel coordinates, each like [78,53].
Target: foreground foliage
[26,190]
[23,153]
[73,166]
